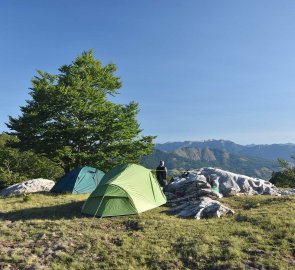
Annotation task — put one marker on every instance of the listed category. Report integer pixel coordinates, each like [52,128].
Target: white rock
[213,209]
[233,183]
[203,208]
[30,186]
[192,195]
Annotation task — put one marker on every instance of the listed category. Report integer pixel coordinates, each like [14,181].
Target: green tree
[3,139]
[286,176]
[71,120]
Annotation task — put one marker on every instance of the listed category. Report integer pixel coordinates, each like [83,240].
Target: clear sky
[199,69]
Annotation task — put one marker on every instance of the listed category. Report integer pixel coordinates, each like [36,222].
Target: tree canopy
[71,120]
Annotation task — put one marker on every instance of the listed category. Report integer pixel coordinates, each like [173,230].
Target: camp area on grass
[46,231]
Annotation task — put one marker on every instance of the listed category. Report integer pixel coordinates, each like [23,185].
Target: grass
[48,232]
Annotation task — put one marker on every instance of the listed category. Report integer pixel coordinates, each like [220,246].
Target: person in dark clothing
[161,173]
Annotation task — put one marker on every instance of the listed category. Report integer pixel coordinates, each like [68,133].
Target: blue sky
[198,69]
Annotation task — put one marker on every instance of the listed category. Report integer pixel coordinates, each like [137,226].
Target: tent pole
[95,214]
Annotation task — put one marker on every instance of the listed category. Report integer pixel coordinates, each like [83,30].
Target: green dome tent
[125,189]
[79,180]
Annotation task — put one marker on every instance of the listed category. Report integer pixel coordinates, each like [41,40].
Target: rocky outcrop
[30,186]
[288,192]
[203,207]
[191,196]
[196,193]
[232,183]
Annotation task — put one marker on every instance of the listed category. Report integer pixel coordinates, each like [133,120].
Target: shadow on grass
[55,212]
[168,212]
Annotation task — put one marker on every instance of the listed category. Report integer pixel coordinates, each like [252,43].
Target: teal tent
[126,189]
[79,180]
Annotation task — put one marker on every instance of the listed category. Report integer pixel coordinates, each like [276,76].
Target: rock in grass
[203,208]
[212,208]
[288,192]
[30,186]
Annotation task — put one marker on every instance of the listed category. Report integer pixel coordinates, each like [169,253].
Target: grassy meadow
[43,231]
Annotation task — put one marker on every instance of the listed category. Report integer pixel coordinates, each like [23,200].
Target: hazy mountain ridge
[265,151]
[195,157]
[195,153]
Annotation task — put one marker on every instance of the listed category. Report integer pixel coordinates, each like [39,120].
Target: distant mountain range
[266,151]
[252,160]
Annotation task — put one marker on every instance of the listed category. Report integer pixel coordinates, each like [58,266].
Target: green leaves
[16,166]
[286,177]
[70,119]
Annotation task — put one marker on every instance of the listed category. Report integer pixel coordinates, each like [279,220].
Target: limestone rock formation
[232,183]
[30,186]
[204,207]
[195,193]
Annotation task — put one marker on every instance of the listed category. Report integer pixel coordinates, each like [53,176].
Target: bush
[27,197]
[286,177]
[16,166]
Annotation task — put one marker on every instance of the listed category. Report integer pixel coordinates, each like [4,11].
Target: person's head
[162,162]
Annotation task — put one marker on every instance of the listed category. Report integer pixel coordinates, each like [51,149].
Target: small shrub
[286,177]
[27,197]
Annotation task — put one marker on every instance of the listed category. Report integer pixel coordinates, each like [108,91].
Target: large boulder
[233,183]
[195,193]
[227,183]
[204,207]
[191,196]
[30,186]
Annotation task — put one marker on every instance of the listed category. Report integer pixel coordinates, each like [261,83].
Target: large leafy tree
[71,120]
